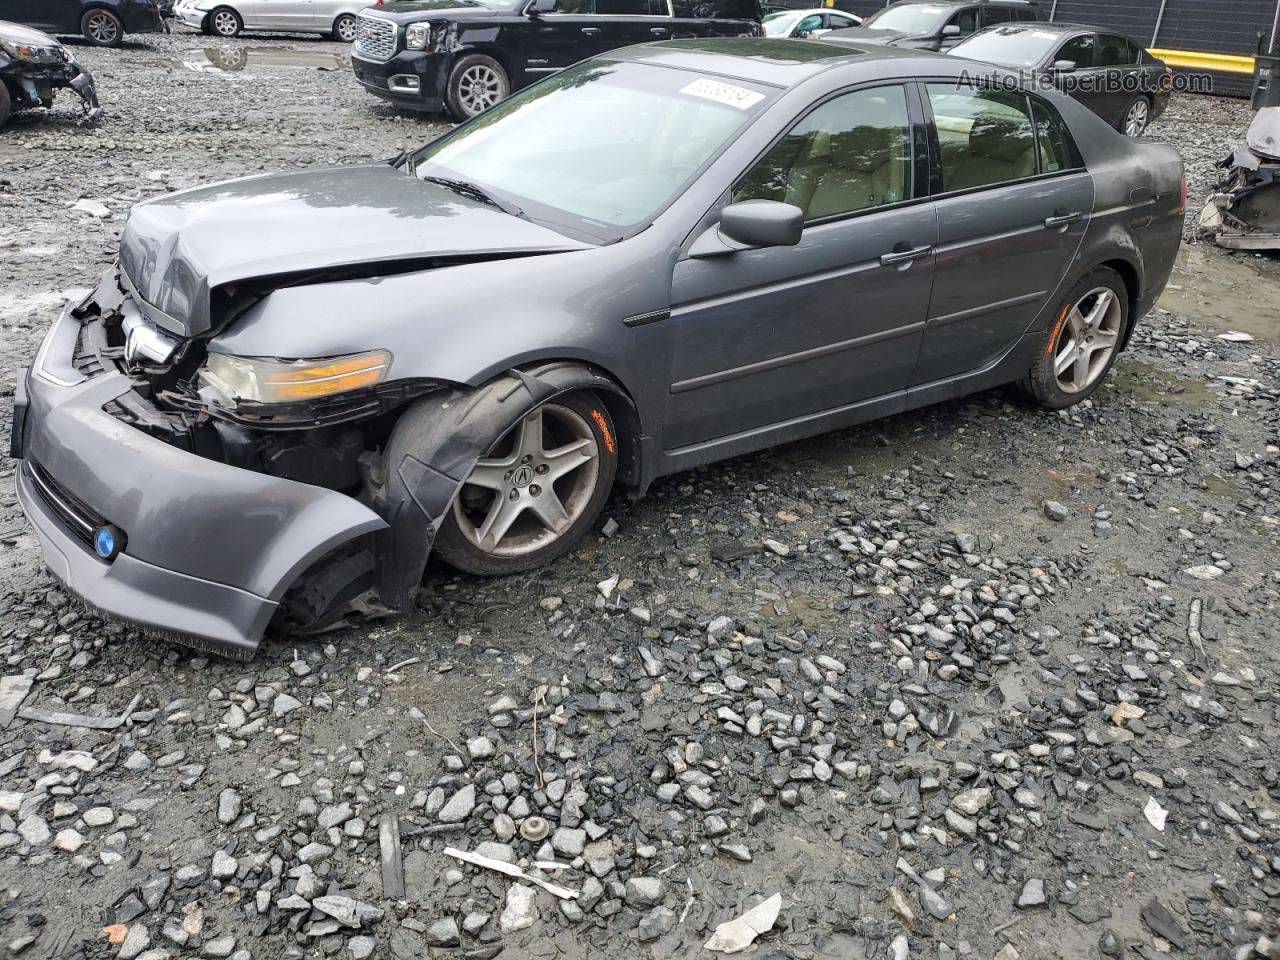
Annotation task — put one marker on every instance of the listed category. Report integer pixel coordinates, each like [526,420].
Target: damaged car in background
[293,388]
[34,67]
[1243,213]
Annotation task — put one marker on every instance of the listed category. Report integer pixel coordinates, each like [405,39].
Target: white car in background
[227,18]
[808,24]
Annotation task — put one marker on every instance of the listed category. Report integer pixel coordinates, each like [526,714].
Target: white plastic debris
[1235,336]
[93,208]
[734,936]
[1155,813]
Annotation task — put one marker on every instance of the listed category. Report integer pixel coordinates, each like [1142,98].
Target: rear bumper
[210,548]
[394,80]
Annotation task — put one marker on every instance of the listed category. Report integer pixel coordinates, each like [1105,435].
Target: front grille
[375,38]
[76,515]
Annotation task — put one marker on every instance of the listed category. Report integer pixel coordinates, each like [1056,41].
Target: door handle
[1061,220]
[658,31]
[590,31]
[905,256]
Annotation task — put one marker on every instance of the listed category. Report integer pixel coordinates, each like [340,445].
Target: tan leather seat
[1000,149]
[850,170]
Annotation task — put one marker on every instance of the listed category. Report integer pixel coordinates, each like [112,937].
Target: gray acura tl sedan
[293,388]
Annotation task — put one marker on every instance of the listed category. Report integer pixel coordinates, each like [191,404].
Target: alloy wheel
[1088,339]
[533,486]
[103,28]
[224,23]
[479,88]
[346,29]
[1135,121]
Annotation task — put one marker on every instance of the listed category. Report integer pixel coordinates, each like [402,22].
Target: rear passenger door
[1013,199]
[768,336]
[1117,68]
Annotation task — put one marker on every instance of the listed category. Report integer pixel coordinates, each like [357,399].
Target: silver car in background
[227,18]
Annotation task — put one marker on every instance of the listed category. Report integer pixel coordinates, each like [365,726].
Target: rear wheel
[1083,342]
[476,83]
[1136,117]
[102,28]
[225,22]
[536,491]
[344,28]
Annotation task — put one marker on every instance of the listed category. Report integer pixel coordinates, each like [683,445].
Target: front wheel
[1083,342]
[225,22]
[6,104]
[102,28]
[537,490]
[476,83]
[344,28]
[1136,117]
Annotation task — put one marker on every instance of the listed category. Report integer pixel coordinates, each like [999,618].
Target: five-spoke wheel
[102,28]
[535,492]
[1082,342]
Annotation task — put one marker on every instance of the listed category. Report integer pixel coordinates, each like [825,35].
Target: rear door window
[986,137]
[1114,51]
[993,16]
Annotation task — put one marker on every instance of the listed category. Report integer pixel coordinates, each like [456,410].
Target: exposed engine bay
[1244,211]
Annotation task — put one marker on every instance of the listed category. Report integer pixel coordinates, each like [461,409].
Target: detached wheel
[102,28]
[1136,117]
[344,28]
[225,22]
[1083,342]
[536,492]
[476,83]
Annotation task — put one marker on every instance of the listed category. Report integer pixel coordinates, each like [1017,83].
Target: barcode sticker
[726,93]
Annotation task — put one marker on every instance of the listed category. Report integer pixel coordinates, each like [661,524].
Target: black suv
[935,25]
[102,22]
[464,55]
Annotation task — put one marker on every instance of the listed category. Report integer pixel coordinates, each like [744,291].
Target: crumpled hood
[177,249]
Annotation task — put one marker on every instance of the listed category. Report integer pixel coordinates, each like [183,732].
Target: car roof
[777,61]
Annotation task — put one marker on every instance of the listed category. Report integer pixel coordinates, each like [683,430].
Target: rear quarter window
[1057,150]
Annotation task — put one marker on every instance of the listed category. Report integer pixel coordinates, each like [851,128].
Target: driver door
[766,336]
[563,36]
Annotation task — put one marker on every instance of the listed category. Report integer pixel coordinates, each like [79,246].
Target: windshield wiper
[474,192]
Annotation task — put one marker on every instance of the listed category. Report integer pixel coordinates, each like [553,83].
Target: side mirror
[762,223]
[1064,66]
[951,30]
[540,6]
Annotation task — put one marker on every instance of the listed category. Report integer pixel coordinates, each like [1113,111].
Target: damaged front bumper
[1244,212]
[33,84]
[209,549]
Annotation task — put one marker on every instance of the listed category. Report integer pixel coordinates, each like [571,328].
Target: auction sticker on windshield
[726,93]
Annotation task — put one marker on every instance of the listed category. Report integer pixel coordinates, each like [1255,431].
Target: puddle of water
[1225,292]
[240,59]
[16,302]
[1148,382]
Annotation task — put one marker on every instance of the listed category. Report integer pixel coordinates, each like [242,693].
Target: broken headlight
[32,53]
[237,380]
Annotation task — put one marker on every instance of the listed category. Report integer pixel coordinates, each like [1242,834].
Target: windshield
[780,24]
[907,18]
[1008,46]
[599,148]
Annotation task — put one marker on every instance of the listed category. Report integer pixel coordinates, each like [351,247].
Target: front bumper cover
[211,548]
[390,79]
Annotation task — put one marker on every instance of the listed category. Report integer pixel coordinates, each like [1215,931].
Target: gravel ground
[978,681]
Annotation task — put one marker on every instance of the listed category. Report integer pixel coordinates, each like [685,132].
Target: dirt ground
[924,668]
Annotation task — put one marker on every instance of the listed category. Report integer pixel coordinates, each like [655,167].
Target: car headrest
[999,138]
